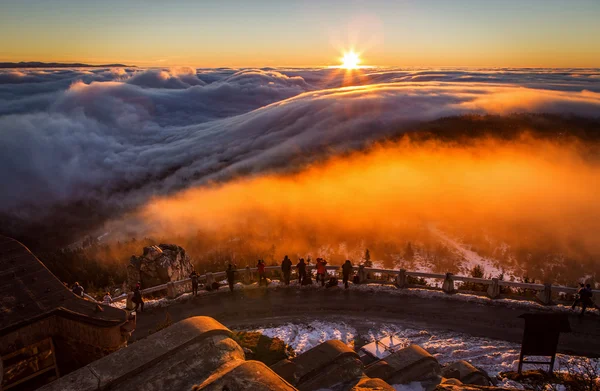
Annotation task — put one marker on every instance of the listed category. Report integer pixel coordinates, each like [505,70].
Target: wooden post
[401,280]
[493,290]
[448,285]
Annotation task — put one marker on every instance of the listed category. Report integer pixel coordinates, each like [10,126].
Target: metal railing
[391,276]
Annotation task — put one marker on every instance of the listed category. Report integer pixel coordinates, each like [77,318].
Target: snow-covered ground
[470,259]
[494,356]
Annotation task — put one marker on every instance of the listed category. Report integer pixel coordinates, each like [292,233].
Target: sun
[350,60]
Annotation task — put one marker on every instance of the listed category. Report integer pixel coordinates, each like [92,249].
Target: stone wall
[76,343]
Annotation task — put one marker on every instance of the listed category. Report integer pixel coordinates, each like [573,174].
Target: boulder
[466,373]
[411,364]
[244,375]
[323,366]
[368,384]
[159,265]
[451,381]
[469,387]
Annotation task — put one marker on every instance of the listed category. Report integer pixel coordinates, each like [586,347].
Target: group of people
[229,273]
[304,277]
[584,298]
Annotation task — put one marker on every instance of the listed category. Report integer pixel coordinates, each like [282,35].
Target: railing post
[545,296]
[209,280]
[448,285]
[493,290]
[248,276]
[171,292]
[129,301]
[401,279]
[362,275]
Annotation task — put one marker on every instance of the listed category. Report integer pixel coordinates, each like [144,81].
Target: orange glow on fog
[498,183]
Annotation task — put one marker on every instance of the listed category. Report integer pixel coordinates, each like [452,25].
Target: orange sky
[233,33]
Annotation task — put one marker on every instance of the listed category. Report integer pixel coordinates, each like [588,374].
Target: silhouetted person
[78,289]
[301,271]
[346,271]
[286,268]
[261,272]
[230,272]
[578,296]
[585,297]
[321,271]
[137,298]
[194,277]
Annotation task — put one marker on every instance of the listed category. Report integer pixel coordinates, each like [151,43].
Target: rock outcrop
[466,373]
[159,265]
[368,384]
[408,365]
[321,367]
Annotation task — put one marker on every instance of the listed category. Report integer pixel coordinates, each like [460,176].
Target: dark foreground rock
[408,365]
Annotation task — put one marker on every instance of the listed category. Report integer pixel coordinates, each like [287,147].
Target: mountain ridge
[38,64]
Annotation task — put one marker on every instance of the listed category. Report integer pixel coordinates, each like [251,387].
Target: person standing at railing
[194,277]
[107,299]
[230,273]
[286,268]
[585,298]
[321,270]
[346,271]
[578,296]
[301,271]
[137,298]
[261,272]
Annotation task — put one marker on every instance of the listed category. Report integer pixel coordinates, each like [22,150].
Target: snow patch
[303,337]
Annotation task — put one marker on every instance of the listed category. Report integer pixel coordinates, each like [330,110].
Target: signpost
[540,337]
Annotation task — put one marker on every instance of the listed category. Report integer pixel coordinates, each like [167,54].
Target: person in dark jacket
[286,268]
[137,298]
[230,272]
[585,298]
[346,271]
[578,296]
[261,272]
[301,271]
[78,289]
[194,277]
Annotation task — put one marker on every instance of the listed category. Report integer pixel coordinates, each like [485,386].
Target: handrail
[522,285]
[475,280]
[426,275]
[483,281]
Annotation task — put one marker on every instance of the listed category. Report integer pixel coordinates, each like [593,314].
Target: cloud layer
[115,137]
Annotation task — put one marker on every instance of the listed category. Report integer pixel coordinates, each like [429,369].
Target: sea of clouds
[116,137]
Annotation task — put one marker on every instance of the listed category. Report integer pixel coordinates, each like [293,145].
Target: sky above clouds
[234,33]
